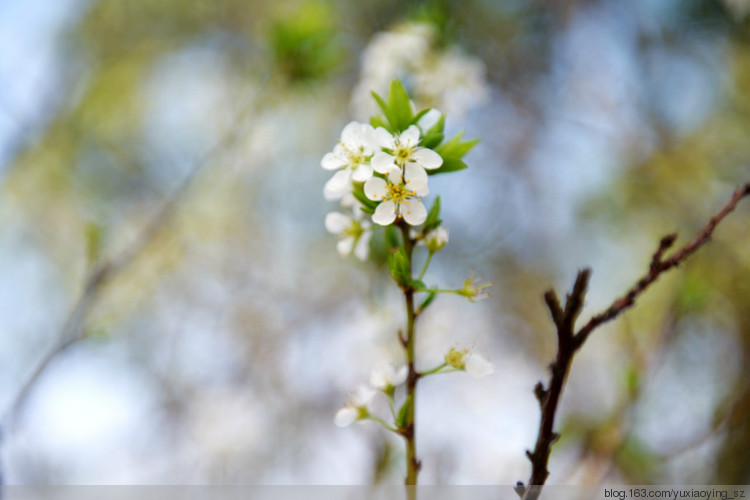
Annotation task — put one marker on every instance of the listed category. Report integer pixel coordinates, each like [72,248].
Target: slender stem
[412,462]
[434,370]
[438,290]
[426,265]
[384,424]
[391,404]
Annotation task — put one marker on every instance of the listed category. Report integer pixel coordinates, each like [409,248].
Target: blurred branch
[568,342]
[72,330]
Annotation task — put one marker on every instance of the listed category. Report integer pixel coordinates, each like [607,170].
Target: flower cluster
[382,168]
[383,378]
[444,78]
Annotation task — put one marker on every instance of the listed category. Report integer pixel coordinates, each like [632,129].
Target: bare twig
[569,342]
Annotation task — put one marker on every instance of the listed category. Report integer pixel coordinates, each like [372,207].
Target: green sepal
[403,413]
[399,267]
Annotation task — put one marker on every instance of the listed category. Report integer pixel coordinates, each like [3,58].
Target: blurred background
[172,310]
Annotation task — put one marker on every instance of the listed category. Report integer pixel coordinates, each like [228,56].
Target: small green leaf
[366,202]
[431,140]
[387,113]
[433,216]
[419,115]
[378,121]
[449,165]
[399,267]
[403,413]
[427,301]
[418,286]
[455,147]
[392,237]
[400,106]
[438,127]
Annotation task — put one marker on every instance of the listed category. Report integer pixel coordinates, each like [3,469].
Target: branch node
[540,392]
[530,456]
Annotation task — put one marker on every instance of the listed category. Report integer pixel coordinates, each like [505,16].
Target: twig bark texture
[569,341]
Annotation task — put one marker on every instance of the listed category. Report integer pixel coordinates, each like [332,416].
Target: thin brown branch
[569,343]
[659,265]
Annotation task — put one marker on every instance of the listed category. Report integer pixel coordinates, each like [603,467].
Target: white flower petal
[414,212]
[332,161]
[394,175]
[410,137]
[429,119]
[478,366]
[385,213]
[339,183]
[345,416]
[376,188]
[427,158]
[399,377]
[362,248]
[351,136]
[362,397]
[382,162]
[336,222]
[383,139]
[344,246]
[416,179]
[362,173]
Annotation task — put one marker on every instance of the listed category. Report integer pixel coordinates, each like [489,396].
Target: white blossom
[386,377]
[436,239]
[354,234]
[356,407]
[405,152]
[477,365]
[474,364]
[351,157]
[399,195]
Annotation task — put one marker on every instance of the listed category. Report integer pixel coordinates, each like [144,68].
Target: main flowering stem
[412,463]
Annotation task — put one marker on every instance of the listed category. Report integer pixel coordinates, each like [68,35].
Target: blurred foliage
[93,177]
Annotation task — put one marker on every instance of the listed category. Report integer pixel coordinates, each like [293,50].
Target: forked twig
[568,342]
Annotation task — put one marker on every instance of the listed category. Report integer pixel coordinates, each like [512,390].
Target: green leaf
[438,127]
[418,286]
[433,216]
[418,116]
[366,202]
[431,140]
[399,267]
[403,413]
[389,116]
[400,106]
[427,301]
[455,147]
[392,237]
[449,165]
[378,121]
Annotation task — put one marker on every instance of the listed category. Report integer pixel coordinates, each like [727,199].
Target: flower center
[402,154]
[356,156]
[399,193]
